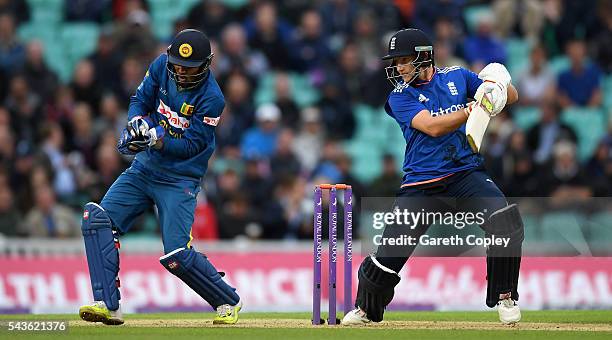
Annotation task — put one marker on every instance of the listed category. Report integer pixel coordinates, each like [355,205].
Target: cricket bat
[477,123]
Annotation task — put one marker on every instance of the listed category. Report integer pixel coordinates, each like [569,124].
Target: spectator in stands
[132,72]
[581,84]
[7,146]
[338,18]
[376,87]
[515,149]
[48,218]
[283,215]
[576,19]
[108,167]
[448,33]
[86,10]
[367,41]
[237,91]
[445,58]
[230,129]
[209,16]
[525,17]
[335,106]
[40,78]
[308,143]
[82,138]
[344,164]
[563,179]
[285,101]
[521,180]
[547,132]
[237,219]
[387,184]
[537,81]
[106,60]
[60,107]
[256,183]
[64,182]
[270,34]
[83,85]
[12,51]
[237,55]
[10,219]
[482,47]
[284,163]
[260,141]
[113,116]
[347,73]
[18,9]
[602,41]
[25,107]
[327,166]
[599,167]
[309,45]
[134,36]
[426,13]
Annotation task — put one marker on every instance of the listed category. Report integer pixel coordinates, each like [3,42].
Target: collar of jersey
[427,81]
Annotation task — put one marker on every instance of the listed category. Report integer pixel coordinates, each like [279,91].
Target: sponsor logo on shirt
[452,108]
[211,121]
[422,98]
[173,118]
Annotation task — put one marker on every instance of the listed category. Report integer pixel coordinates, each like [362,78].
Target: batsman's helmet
[189,48]
[405,43]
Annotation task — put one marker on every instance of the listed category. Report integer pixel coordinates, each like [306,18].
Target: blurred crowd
[57,139]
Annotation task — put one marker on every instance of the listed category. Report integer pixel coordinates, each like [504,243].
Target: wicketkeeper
[431,106]
[171,130]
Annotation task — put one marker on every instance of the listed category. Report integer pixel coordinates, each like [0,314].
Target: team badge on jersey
[452,88]
[186,109]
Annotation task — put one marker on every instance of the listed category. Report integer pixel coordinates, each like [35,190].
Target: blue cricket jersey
[188,117]
[427,158]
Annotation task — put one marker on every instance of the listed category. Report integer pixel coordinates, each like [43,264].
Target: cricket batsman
[171,130]
[431,106]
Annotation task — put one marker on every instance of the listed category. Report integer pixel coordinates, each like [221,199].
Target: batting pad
[199,274]
[102,255]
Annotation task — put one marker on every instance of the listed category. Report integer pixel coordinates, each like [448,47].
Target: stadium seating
[472,14]
[607,97]
[165,12]
[558,64]
[369,144]
[78,40]
[525,117]
[303,92]
[518,55]
[49,12]
[590,126]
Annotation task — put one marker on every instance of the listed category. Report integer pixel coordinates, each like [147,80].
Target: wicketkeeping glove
[139,135]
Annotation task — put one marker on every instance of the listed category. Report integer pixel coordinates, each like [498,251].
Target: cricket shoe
[355,317]
[227,315]
[509,311]
[97,312]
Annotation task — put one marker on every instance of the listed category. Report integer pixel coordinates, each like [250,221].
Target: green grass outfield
[415,325]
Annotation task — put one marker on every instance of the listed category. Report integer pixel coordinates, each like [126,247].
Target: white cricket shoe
[509,311]
[98,312]
[355,317]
